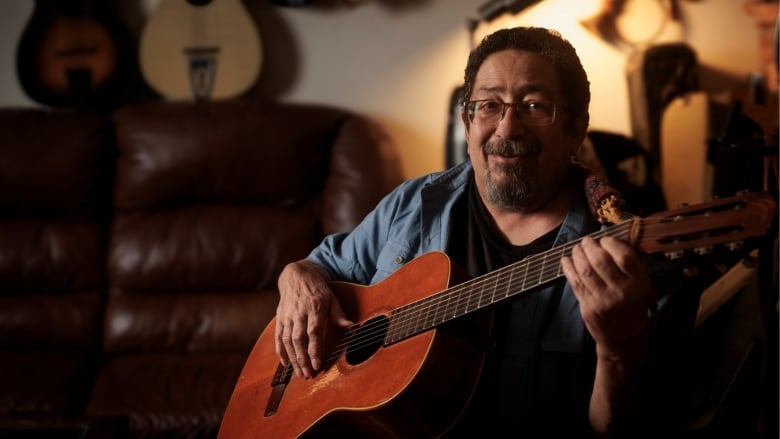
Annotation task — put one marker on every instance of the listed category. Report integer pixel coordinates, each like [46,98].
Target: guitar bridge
[279,383]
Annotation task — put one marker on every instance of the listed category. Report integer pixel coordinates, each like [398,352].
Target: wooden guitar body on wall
[200,49]
[72,54]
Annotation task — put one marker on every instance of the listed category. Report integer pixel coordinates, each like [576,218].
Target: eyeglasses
[491,111]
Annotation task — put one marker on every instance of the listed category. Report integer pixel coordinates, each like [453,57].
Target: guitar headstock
[701,227]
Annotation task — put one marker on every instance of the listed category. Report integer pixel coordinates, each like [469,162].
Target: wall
[399,60]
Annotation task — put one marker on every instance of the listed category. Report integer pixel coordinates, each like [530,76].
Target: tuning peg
[701,251]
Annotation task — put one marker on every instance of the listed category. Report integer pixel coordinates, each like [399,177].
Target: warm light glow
[604,63]
[543,14]
[641,21]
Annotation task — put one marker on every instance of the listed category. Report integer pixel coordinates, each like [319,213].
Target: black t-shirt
[508,383]
[531,391]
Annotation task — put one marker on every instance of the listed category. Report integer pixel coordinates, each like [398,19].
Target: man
[574,358]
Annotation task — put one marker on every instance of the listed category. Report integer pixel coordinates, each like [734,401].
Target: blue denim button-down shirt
[415,219]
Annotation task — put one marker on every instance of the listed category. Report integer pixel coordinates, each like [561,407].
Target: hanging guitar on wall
[200,49]
[72,54]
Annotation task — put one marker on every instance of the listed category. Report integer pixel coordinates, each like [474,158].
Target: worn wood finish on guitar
[395,393]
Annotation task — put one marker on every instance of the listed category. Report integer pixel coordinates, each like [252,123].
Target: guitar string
[374,331]
[494,282]
[404,317]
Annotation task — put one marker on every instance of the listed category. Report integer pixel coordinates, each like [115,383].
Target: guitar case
[656,76]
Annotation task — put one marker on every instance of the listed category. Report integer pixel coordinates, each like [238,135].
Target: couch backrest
[213,199]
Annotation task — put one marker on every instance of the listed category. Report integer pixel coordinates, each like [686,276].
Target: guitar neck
[484,291]
[723,221]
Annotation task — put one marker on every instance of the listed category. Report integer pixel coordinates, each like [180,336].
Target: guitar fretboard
[481,292]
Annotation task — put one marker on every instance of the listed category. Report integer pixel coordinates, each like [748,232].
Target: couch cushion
[236,150]
[55,163]
[167,395]
[199,277]
[187,321]
[207,247]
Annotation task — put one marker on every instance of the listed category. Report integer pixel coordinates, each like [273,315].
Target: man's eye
[536,106]
[489,106]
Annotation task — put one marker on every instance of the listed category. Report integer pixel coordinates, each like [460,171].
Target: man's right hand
[306,307]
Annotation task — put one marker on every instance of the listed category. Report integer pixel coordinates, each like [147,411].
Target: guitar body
[71,54]
[200,49]
[394,392]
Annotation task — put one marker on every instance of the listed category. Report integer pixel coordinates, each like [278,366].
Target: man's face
[518,163]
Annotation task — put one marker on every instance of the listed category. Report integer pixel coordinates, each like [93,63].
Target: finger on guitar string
[582,275]
[286,347]
[279,347]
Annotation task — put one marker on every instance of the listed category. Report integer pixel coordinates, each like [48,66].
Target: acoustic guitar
[200,49]
[392,373]
[72,54]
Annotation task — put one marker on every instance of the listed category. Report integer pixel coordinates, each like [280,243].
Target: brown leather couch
[139,251]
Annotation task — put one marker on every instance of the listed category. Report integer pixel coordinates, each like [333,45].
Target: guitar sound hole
[366,340]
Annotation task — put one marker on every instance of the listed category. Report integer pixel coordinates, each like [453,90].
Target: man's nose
[510,124]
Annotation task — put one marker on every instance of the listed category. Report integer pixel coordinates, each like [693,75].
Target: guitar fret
[468,302]
[456,308]
[525,276]
[408,325]
[541,271]
[394,327]
[460,308]
[442,312]
[482,296]
[427,320]
[509,282]
[419,316]
[558,267]
[401,323]
[432,312]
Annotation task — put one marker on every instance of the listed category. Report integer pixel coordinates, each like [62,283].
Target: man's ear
[580,131]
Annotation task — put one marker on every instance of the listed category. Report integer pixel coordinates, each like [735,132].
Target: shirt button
[399,260]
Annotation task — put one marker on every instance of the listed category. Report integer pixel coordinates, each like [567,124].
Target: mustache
[510,147]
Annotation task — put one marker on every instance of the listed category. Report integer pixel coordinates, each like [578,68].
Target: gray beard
[519,186]
[515,192]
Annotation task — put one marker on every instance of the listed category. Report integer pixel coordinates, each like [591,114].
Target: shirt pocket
[392,257]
